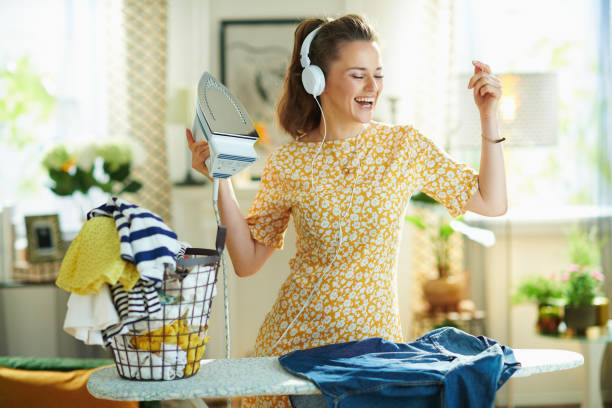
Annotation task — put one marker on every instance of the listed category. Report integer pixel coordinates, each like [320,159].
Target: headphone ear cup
[313,80]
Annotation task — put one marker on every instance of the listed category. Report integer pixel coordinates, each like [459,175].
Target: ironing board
[238,377]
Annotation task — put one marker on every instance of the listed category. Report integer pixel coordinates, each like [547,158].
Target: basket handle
[220,243]
[201,260]
[206,256]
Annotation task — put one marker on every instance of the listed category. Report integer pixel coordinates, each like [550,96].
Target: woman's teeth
[365,102]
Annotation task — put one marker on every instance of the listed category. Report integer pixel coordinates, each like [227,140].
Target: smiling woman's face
[354,82]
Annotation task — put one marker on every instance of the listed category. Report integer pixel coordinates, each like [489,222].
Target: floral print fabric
[378,171]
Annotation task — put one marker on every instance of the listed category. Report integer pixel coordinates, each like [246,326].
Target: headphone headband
[305,61]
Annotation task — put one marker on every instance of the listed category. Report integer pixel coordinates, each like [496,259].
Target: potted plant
[74,171]
[582,286]
[582,281]
[547,293]
[446,290]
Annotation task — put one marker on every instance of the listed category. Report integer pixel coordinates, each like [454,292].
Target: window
[64,42]
[541,36]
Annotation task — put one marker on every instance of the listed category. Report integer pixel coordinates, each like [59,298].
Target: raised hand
[487,88]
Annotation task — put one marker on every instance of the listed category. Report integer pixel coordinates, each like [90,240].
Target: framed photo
[44,238]
[255,55]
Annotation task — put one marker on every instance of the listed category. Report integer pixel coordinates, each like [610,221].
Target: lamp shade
[528,111]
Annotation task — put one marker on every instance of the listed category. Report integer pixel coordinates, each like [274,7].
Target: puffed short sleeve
[268,216]
[441,176]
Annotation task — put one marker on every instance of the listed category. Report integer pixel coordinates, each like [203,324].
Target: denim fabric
[444,368]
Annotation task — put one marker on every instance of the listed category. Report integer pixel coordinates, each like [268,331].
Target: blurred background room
[95,97]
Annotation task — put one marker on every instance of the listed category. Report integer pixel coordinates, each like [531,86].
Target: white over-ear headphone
[313,78]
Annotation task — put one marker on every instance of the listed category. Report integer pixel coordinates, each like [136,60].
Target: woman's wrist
[498,140]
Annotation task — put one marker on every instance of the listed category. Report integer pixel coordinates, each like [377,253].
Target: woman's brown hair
[297,112]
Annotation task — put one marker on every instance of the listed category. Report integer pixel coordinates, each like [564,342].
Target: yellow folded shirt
[94,258]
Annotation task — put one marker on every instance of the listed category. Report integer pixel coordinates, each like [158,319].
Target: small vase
[444,294]
[579,318]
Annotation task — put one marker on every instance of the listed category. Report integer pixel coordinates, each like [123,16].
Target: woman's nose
[371,84]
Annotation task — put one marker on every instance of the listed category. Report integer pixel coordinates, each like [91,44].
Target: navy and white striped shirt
[145,239]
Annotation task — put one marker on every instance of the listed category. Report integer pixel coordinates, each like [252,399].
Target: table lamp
[528,112]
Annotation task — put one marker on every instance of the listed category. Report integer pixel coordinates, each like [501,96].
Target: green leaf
[63,190]
[106,187]
[446,231]
[423,198]
[538,289]
[416,221]
[132,187]
[84,180]
[64,183]
[118,174]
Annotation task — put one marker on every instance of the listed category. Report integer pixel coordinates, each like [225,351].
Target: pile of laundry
[133,290]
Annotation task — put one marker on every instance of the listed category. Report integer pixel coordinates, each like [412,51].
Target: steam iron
[223,122]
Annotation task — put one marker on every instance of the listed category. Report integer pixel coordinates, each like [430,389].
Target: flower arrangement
[582,284]
[573,290]
[583,279]
[106,165]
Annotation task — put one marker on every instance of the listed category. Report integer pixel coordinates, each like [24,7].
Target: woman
[346,180]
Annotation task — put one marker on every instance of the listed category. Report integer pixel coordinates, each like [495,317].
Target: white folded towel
[88,315]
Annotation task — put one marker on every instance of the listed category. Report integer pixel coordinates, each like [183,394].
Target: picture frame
[254,58]
[44,238]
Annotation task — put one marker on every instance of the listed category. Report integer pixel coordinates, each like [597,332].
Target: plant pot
[444,293]
[549,318]
[579,318]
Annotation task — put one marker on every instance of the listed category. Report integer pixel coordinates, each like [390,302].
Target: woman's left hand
[487,89]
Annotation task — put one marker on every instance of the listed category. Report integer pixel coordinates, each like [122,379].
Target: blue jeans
[444,368]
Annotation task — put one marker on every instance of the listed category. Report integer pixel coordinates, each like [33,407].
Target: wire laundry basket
[170,343]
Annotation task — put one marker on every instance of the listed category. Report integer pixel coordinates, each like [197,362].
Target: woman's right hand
[199,153]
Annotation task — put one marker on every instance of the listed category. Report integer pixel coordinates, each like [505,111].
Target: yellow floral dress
[379,169]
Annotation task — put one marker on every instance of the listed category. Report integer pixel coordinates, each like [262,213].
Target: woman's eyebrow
[362,68]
